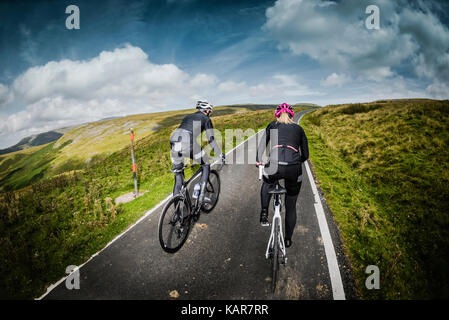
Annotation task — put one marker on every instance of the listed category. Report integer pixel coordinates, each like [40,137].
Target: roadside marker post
[136,194]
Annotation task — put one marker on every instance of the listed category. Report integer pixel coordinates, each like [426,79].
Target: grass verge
[384,169]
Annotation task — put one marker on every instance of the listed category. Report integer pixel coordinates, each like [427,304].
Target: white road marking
[334,271]
[52,286]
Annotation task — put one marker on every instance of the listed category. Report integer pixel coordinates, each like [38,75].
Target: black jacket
[195,124]
[290,147]
[202,121]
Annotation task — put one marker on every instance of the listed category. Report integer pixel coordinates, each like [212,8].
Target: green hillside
[384,169]
[63,219]
[86,144]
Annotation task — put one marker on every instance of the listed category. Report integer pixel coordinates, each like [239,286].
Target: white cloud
[335,80]
[5,95]
[118,82]
[438,90]
[204,80]
[334,34]
[231,86]
[122,81]
[282,86]
[124,73]
[392,88]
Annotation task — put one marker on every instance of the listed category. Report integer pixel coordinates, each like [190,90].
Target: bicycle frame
[185,194]
[194,206]
[277,204]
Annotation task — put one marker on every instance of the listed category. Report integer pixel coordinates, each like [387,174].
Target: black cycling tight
[293,180]
[179,178]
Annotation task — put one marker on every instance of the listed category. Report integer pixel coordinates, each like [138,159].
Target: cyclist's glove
[223,157]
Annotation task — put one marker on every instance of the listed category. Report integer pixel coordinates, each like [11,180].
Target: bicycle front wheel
[174,224]
[275,256]
[212,191]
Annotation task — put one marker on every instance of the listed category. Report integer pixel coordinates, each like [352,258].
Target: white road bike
[276,246]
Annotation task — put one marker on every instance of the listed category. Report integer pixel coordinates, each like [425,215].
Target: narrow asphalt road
[223,257]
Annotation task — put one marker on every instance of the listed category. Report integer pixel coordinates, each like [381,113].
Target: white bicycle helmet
[204,105]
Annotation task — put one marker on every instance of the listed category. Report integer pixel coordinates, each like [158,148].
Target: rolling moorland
[384,170]
[58,208]
[89,142]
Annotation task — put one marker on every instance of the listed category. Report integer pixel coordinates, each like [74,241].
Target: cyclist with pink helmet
[287,154]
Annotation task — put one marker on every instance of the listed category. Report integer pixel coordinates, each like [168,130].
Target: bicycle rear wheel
[275,257]
[174,224]
[212,191]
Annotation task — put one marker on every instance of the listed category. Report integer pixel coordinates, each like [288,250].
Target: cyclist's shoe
[288,243]
[264,218]
[206,201]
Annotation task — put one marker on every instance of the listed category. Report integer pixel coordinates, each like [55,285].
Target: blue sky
[145,56]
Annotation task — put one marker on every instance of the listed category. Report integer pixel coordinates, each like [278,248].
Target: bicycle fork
[277,215]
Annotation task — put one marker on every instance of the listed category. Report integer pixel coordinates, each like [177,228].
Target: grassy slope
[384,168]
[64,220]
[90,142]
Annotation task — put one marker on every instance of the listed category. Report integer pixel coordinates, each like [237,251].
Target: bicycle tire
[187,221]
[213,187]
[275,257]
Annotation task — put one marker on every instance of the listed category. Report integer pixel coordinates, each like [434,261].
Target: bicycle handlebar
[261,167]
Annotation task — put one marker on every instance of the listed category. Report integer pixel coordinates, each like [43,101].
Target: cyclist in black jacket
[184,145]
[287,153]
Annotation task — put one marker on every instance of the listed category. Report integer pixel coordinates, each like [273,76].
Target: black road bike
[183,210]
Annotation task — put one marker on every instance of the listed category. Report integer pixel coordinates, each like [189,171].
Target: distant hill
[253,106]
[78,147]
[34,140]
[54,135]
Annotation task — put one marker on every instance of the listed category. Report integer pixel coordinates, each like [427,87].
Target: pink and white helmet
[284,108]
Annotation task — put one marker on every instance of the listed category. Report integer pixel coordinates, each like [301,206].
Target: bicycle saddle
[278,190]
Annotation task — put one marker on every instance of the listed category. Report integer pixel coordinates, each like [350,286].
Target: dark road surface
[223,257]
